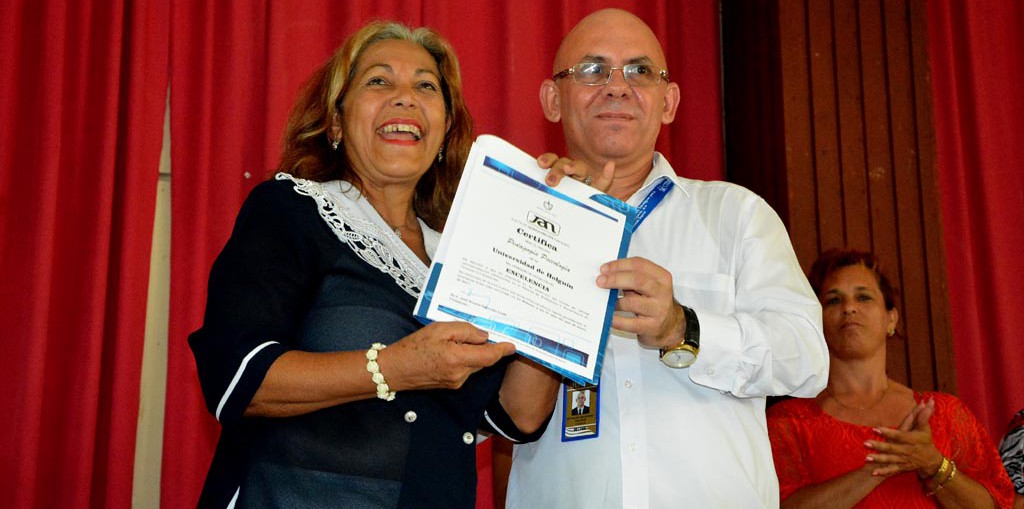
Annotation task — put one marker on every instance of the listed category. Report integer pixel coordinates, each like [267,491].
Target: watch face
[678,358]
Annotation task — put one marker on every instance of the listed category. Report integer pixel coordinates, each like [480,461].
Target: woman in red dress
[867,440]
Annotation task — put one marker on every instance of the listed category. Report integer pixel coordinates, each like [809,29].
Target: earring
[892,332]
[440,155]
[334,145]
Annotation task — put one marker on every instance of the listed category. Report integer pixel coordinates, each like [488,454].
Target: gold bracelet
[952,474]
[941,472]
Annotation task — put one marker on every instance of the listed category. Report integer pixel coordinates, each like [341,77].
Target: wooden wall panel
[925,158]
[796,140]
[879,107]
[824,123]
[851,144]
[906,192]
[854,184]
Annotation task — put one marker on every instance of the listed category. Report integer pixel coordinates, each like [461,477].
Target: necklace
[859,408]
[396,229]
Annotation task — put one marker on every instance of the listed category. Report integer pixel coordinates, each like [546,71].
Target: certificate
[520,259]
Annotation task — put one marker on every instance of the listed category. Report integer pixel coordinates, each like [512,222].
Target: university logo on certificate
[519,259]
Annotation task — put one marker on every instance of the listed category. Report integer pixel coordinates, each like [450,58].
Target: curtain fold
[237,67]
[977,61]
[82,95]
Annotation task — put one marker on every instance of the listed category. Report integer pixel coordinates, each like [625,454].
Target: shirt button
[632,447]
[410,416]
[628,383]
[709,371]
[468,438]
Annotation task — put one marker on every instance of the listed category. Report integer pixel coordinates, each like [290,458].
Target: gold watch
[685,353]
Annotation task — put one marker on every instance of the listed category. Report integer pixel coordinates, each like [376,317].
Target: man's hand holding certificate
[519,259]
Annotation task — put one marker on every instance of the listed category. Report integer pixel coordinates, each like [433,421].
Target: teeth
[402,128]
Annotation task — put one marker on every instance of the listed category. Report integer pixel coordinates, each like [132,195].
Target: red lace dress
[810,447]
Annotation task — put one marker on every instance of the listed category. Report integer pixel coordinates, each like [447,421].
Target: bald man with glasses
[715,313]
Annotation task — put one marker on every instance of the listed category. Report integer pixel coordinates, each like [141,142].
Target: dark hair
[836,258]
[307,148]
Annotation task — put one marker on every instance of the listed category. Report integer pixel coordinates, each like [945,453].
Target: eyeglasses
[596,74]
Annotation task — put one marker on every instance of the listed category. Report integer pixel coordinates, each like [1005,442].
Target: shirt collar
[661,168]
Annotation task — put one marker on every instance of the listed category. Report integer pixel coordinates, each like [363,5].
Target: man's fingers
[647,284]
[617,280]
[625,273]
[559,168]
[631,264]
[603,181]
[640,305]
[546,159]
[626,323]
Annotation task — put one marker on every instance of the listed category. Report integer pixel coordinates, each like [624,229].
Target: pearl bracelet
[383,391]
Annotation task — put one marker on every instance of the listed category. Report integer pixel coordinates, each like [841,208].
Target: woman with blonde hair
[329,392]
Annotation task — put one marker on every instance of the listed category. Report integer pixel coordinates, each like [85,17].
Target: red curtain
[82,94]
[82,90]
[977,54]
[237,66]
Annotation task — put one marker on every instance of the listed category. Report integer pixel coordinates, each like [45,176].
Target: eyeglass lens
[593,73]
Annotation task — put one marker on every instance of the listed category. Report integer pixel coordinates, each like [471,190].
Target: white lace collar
[358,225]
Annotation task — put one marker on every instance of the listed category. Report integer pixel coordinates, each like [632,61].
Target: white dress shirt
[697,436]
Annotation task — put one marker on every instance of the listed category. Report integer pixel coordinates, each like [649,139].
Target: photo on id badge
[579,411]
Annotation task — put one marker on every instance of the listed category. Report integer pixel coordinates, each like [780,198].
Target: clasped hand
[908,448]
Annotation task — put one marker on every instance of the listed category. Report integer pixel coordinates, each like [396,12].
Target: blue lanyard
[651,201]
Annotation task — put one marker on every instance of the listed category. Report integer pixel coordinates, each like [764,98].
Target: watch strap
[691,337]
[691,334]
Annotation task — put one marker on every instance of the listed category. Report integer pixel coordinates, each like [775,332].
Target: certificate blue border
[506,170]
[546,344]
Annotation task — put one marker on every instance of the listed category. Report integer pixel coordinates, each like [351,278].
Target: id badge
[580,411]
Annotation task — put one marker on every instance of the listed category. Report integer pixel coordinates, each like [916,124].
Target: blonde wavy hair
[307,146]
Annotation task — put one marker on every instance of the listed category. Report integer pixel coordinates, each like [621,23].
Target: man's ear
[549,101]
[668,112]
